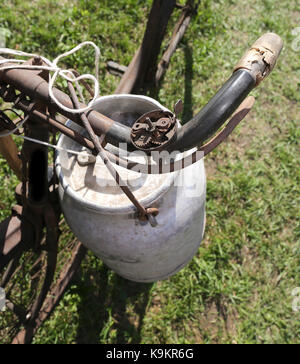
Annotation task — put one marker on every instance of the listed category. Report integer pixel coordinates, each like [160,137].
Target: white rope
[52,66]
[51,145]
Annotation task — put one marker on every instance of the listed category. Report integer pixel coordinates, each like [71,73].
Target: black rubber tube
[215,112]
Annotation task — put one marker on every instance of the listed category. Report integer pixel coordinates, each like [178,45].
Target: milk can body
[106,222]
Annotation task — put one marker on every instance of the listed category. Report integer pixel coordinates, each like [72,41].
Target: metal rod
[102,154]
[73,134]
[30,83]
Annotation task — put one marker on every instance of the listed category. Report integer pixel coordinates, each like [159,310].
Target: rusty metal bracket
[237,117]
[154,130]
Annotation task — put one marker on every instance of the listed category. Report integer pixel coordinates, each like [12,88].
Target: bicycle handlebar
[253,67]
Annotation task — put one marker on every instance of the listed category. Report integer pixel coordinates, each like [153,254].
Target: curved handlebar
[253,67]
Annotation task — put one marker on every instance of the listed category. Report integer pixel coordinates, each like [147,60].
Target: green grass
[238,286]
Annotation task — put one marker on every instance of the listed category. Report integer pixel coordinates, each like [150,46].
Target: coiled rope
[52,66]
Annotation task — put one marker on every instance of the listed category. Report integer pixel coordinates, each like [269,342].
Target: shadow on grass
[112,308]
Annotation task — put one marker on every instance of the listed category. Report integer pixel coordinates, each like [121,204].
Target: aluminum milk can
[105,221]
